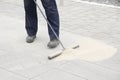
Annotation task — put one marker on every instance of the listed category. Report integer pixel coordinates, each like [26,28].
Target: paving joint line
[14,73]
[100,66]
[74,74]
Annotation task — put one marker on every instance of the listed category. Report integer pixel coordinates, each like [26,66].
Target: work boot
[30,39]
[53,43]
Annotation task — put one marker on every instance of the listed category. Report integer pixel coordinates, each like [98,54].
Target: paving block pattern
[22,61]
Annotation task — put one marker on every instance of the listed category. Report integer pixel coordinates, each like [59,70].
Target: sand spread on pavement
[89,50]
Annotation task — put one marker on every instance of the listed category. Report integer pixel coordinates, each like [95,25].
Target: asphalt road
[112,2]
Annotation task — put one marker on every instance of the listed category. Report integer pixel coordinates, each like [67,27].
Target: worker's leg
[31,22]
[52,16]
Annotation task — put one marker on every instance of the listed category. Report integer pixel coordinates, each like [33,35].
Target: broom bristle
[58,53]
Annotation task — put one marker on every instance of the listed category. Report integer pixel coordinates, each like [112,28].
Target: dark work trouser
[31,20]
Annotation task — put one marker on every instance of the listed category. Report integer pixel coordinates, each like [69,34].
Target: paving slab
[30,60]
[20,57]
[90,71]
[56,74]
[96,21]
[5,75]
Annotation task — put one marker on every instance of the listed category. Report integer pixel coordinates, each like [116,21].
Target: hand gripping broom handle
[49,24]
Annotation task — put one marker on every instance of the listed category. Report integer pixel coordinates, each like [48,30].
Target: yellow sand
[90,50]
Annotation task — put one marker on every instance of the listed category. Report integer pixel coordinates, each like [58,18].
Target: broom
[54,55]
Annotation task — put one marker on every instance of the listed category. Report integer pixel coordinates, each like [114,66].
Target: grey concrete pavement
[22,61]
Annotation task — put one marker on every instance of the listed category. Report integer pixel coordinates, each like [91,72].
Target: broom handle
[49,24]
